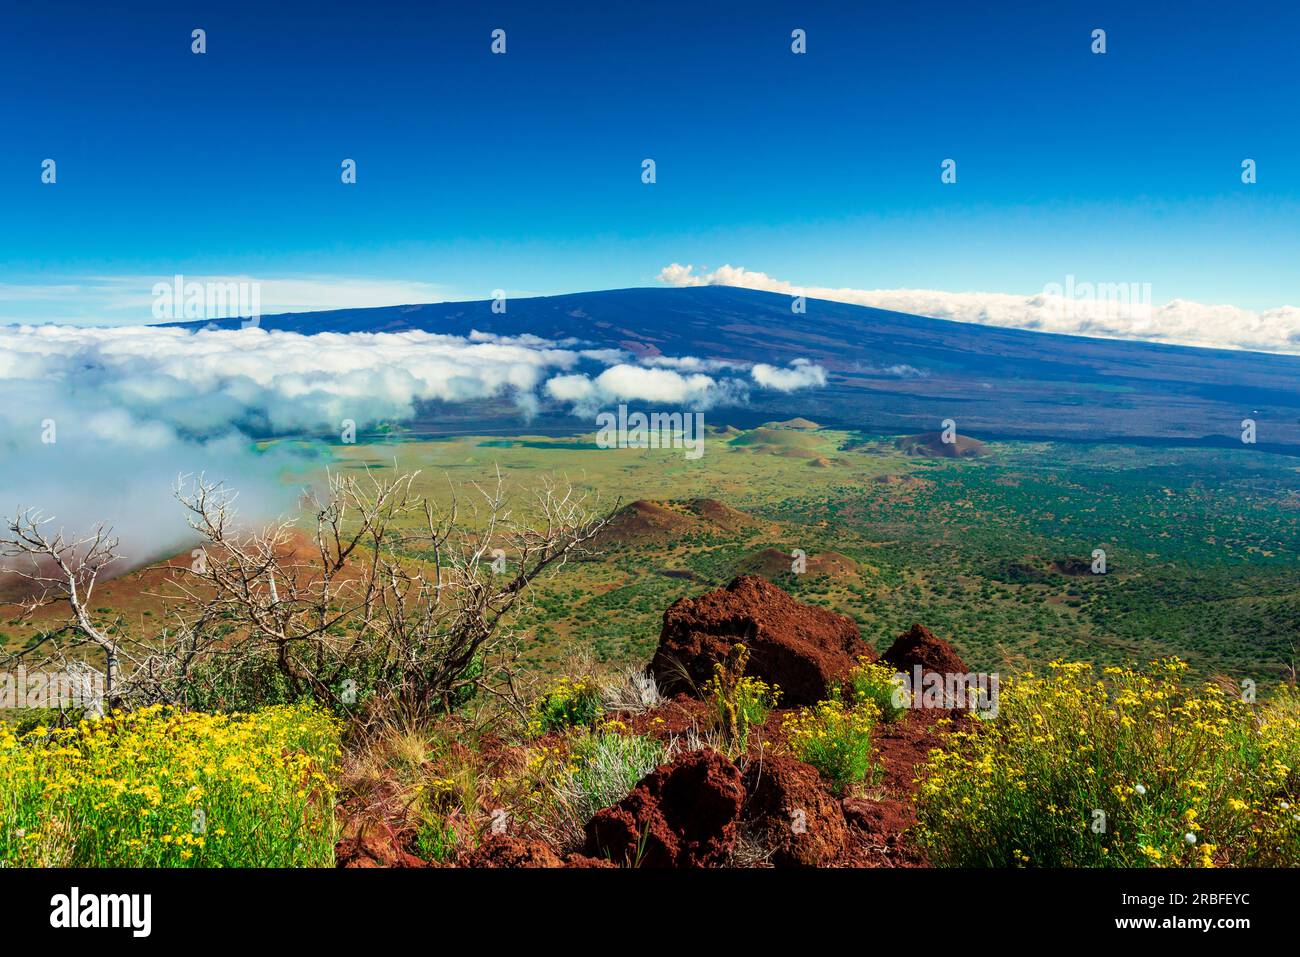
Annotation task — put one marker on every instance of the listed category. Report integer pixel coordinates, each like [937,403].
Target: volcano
[893,373]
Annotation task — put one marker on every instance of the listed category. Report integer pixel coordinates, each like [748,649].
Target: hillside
[896,373]
[644,521]
[932,444]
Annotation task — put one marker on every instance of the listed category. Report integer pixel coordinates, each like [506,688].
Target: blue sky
[523,171]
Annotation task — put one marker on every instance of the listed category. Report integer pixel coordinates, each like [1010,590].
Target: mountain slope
[896,372]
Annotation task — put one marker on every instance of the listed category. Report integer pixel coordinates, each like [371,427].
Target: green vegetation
[606,764]
[1138,768]
[569,703]
[835,738]
[164,788]
[737,702]
[993,553]
[879,686]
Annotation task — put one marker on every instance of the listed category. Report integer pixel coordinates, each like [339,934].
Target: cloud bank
[1070,307]
[96,423]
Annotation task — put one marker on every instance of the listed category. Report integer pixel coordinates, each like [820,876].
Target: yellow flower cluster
[835,738]
[738,703]
[880,685]
[1129,768]
[162,787]
[570,702]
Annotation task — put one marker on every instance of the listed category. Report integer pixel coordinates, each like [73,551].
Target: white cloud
[270,382]
[625,382]
[133,406]
[801,374]
[676,274]
[264,382]
[572,389]
[693,364]
[1070,307]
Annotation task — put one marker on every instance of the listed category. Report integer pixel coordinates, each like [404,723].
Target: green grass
[606,766]
[1197,541]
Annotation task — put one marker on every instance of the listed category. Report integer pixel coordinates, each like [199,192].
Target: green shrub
[878,685]
[569,703]
[436,839]
[737,703]
[835,739]
[606,765]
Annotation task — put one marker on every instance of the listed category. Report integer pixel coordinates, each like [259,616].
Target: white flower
[1140,789]
[1189,837]
[1285,806]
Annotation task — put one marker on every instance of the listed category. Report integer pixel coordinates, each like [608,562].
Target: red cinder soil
[693,810]
[688,812]
[673,718]
[802,649]
[879,820]
[583,861]
[791,812]
[683,814]
[373,843]
[504,850]
[879,833]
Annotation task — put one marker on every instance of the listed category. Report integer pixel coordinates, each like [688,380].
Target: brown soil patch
[645,521]
[772,563]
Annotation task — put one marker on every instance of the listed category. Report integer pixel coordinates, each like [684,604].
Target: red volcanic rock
[792,814]
[682,814]
[883,818]
[373,844]
[881,829]
[919,646]
[588,863]
[503,850]
[801,649]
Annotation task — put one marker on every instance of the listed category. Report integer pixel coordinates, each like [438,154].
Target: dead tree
[411,595]
[57,570]
[374,585]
